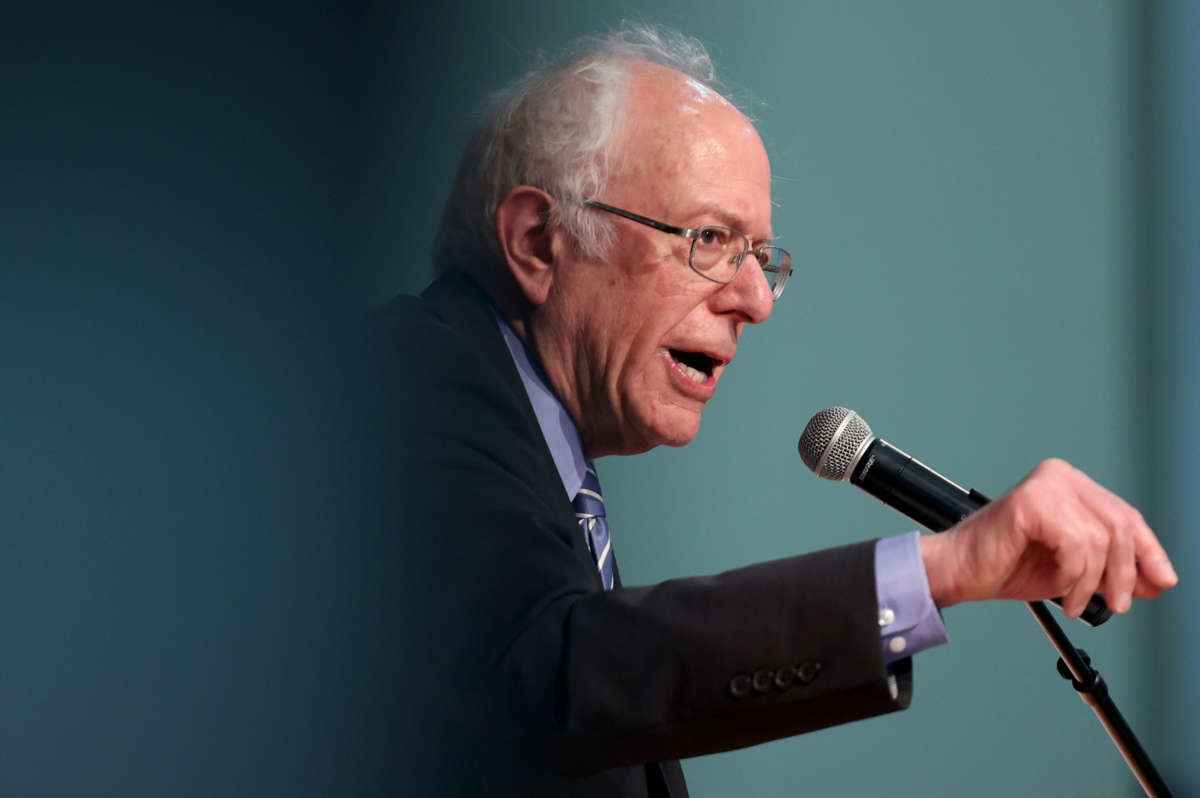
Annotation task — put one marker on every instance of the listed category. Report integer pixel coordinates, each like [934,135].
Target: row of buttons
[782,679]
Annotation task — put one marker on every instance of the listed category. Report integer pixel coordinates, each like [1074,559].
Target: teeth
[695,375]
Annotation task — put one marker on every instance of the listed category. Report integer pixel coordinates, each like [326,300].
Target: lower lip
[697,390]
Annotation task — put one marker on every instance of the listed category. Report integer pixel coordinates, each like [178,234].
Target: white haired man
[607,240]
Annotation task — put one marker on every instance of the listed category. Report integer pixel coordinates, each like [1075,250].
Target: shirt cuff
[909,621]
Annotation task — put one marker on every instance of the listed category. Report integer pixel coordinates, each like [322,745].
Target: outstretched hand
[1057,533]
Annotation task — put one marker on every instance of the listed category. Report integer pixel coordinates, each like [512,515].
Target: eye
[713,237]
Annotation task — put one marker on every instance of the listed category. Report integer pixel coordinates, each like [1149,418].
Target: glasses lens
[717,251]
[777,266]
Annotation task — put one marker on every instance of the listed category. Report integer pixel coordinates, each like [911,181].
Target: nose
[748,294]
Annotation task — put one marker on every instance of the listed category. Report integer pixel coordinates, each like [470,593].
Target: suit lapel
[461,303]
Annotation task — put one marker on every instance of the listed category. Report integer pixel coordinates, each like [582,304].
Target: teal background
[992,211]
[969,191]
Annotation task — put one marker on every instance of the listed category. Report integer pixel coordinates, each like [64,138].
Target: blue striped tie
[589,509]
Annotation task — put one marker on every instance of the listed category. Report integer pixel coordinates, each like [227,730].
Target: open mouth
[696,365]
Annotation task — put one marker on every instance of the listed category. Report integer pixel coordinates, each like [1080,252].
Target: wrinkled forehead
[660,90]
[680,141]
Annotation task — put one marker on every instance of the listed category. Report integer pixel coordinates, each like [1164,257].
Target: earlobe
[526,240]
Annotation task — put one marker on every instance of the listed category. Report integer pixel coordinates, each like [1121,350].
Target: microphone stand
[1075,666]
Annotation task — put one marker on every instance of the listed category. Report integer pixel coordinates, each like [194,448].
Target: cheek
[654,411]
[645,375]
[670,310]
[647,311]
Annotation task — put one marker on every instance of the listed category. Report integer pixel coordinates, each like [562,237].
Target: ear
[526,242]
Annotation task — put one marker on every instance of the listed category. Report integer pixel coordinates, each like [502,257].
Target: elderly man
[607,240]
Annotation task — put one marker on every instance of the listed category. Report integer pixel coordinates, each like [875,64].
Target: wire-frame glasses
[717,252]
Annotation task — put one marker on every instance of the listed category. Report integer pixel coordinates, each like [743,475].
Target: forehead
[685,151]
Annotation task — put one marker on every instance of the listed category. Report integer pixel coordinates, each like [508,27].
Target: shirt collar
[560,432]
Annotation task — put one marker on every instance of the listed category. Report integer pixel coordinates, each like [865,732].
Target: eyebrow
[727,219]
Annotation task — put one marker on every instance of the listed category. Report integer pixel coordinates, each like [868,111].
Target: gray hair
[555,129]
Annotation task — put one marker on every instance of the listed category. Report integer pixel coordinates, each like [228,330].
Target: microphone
[837,444]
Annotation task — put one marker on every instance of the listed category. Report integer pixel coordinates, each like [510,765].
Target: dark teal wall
[175,190]
[1173,108]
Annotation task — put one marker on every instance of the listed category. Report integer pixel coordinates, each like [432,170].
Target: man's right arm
[1057,533]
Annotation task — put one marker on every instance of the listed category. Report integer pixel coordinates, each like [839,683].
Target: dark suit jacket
[522,675]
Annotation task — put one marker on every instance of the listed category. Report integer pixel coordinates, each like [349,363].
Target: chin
[674,427]
[681,438]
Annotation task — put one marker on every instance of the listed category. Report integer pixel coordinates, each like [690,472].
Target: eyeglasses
[718,252]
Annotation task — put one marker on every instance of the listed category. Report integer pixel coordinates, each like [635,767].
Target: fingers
[1101,543]
[1155,573]
[1136,564]
[1120,576]
[1089,541]
[1144,590]
[1118,524]
[1079,566]
[1154,566]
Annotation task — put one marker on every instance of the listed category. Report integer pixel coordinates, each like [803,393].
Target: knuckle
[1053,466]
[1121,569]
[1128,527]
[1128,531]
[1031,492]
[1073,569]
[1042,469]
[1022,507]
[1045,483]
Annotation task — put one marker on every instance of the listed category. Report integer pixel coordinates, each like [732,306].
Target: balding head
[675,134]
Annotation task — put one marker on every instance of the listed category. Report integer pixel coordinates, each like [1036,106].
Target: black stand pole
[1076,667]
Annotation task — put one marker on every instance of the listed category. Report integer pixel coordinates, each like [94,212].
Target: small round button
[739,686]
[762,681]
[784,677]
[886,617]
[897,644]
[807,671]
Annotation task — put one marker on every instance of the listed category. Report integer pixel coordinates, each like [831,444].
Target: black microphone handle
[910,487]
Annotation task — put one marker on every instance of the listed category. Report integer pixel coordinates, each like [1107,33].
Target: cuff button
[739,686]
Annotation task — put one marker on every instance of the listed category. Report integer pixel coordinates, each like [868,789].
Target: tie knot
[589,501]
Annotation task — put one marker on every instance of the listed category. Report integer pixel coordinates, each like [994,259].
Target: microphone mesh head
[830,441]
